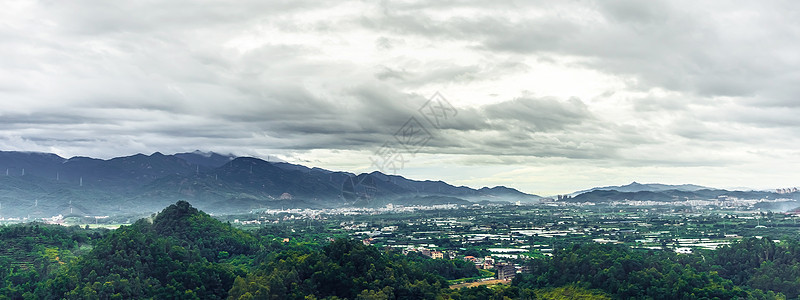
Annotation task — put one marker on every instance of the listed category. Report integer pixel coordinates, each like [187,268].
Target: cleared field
[479,283]
[106,226]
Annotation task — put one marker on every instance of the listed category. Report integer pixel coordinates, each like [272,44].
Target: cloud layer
[614,91]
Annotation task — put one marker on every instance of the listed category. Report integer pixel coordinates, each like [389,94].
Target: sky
[548,97]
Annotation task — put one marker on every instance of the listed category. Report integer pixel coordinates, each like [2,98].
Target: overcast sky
[546,96]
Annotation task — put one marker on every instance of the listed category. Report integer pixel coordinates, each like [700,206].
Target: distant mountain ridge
[45,184]
[647,187]
[665,193]
[205,159]
[602,195]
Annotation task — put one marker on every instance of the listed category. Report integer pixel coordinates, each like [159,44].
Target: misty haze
[399,150]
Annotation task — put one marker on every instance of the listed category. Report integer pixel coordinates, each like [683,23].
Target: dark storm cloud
[714,48]
[538,115]
[535,127]
[109,78]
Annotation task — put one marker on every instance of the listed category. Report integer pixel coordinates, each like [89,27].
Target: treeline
[31,252]
[343,269]
[180,253]
[630,274]
[757,268]
[183,253]
[760,264]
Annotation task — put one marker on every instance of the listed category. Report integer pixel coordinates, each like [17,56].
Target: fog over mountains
[44,184]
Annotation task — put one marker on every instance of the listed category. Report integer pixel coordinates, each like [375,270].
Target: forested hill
[177,254]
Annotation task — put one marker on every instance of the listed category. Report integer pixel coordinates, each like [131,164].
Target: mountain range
[647,187]
[670,193]
[34,184]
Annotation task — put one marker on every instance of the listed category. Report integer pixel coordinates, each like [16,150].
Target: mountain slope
[217,183]
[206,160]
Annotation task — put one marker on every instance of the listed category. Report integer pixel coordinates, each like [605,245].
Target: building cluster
[354,211]
[503,271]
[434,254]
[486,262]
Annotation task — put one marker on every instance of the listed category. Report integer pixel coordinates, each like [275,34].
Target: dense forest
[183,253]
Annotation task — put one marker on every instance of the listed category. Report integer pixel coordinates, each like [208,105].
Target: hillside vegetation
[183,253]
